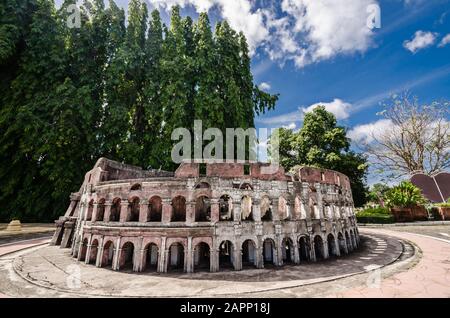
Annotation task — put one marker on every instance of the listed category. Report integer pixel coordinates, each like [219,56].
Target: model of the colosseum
[207,217]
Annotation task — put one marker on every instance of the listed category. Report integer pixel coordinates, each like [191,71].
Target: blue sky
[321,51]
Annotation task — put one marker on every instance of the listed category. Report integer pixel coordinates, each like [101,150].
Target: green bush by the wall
[375,215]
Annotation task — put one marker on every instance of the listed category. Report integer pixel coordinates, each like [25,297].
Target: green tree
[322,143]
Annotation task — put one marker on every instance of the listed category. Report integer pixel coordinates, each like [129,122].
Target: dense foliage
[375,215]
[107,88]
[322,143]
[404,195]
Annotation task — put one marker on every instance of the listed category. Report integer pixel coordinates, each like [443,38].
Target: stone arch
[269,251]
[249,256]
[133,209]
[178,209]
[90,210]
[202,209]
[265,208]
[136,187]
[246,186]
[155,209]
[341,242]
[203,185]
[332,248]
[246,208]
[115,210]
[318,247]
[151,257]
[304,248]
[84,246]
[93,253]
[287,248]
[126,258]
[226,208]
[226,254]
[100,210]
[202,256]
[108,254]
[176,259]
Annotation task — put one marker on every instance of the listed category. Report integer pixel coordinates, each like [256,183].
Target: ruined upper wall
[314,175]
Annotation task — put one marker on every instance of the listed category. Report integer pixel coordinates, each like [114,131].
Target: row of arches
[154,209]
[202,258]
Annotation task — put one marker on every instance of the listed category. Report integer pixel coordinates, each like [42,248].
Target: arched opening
[93,253]
[151,257]
[127,256]
[203,209]
[265,208]
[203,185]
[154,209]
[332,249]
[108,254]
[115,210]
[246,186]
[178,209]
[246,208]
[226,255]
[287,248]
[226,208]
[83,249]
[349,243]
[136,187]
[134,210]
[176,257]
[269,252]
[248,254]
[304,248]
[90,210]
[100,210]
[318,247]
[202,256]
[341,243]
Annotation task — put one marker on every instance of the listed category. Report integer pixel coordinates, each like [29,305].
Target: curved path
[386,266]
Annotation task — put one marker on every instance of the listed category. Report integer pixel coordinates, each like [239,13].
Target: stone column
[137,256]
[142,260]
[279,247]
[259,257]
[238,258]
[143,210]
[257,210]
[237,211]
[190,212]
[87,258]
[116,257]
[337,246]
[166,210]
[325,249]
[214,260]
[107,215]
[162,256]
[124,217]
[289,210]
[296,252]
[215,210]
[98,261]
[274,208]
[312,251]
[189,256]
[94,212]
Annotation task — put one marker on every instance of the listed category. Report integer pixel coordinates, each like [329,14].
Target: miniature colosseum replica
[207,217]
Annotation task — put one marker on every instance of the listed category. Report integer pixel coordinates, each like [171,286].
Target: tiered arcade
[207,217]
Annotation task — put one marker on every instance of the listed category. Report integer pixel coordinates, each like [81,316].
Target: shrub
[405,195]
[375,215]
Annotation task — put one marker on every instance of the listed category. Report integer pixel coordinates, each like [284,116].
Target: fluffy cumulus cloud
[303,31]
[339,108]
[445,40]
[364,134]
[420,41]
[264,86]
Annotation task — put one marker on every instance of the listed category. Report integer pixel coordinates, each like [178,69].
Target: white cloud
[420,41]
[264,86]
[290,126]
[339,108]
[445,40]
[306,31]
[365,133]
